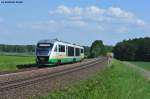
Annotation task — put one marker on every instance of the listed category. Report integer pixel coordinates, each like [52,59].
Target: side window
[81,50]
[67,50]
[77,52]
[61,48]
[70,51]
[55,49]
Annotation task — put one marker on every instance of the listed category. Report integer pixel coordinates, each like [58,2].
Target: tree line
[96,49]
[17,48]
[133,49]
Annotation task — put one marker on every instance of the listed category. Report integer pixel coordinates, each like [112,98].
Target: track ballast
[8,86]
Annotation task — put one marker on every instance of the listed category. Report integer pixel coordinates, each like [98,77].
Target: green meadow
[145,65]
[8,63]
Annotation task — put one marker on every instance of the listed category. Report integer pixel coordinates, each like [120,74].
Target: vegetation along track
[4,86]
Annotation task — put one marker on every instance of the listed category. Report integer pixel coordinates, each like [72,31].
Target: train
[54,51]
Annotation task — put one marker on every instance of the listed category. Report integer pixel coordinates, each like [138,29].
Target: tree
[86,51]
[97,49]
[108,48]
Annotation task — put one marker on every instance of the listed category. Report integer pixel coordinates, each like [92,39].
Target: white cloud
[118,12]
[66,10]
[141,22]
[63,10]
[94,10]
[88,19]
[76,10]
[93,13]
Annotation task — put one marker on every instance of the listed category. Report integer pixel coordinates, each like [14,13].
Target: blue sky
[76,21]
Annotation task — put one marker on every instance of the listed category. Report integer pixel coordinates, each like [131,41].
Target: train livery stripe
[64,60]
[55,57]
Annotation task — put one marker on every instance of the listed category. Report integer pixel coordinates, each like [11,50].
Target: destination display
[44,45]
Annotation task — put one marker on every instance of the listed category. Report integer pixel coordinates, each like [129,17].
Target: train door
[55,52]
[67,51]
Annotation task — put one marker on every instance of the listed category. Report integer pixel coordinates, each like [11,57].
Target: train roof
[55,40]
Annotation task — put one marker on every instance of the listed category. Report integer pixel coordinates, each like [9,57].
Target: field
[145,65]
[117,81]
[8,63]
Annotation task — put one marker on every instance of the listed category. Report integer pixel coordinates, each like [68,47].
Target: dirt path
[144,72]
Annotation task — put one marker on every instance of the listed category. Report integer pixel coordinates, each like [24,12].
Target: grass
[16,54]
[117,81]
[8,63]
[145,65]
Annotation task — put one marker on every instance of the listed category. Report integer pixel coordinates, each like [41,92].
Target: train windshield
[45,45]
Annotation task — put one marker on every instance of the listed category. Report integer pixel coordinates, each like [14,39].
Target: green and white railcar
[57,52]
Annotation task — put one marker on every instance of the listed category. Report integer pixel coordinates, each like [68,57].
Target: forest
[137,49]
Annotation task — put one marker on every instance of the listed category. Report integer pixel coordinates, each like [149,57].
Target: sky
[75,21]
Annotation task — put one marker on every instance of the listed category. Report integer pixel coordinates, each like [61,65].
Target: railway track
[41,84]
[30,67]
[23,82]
